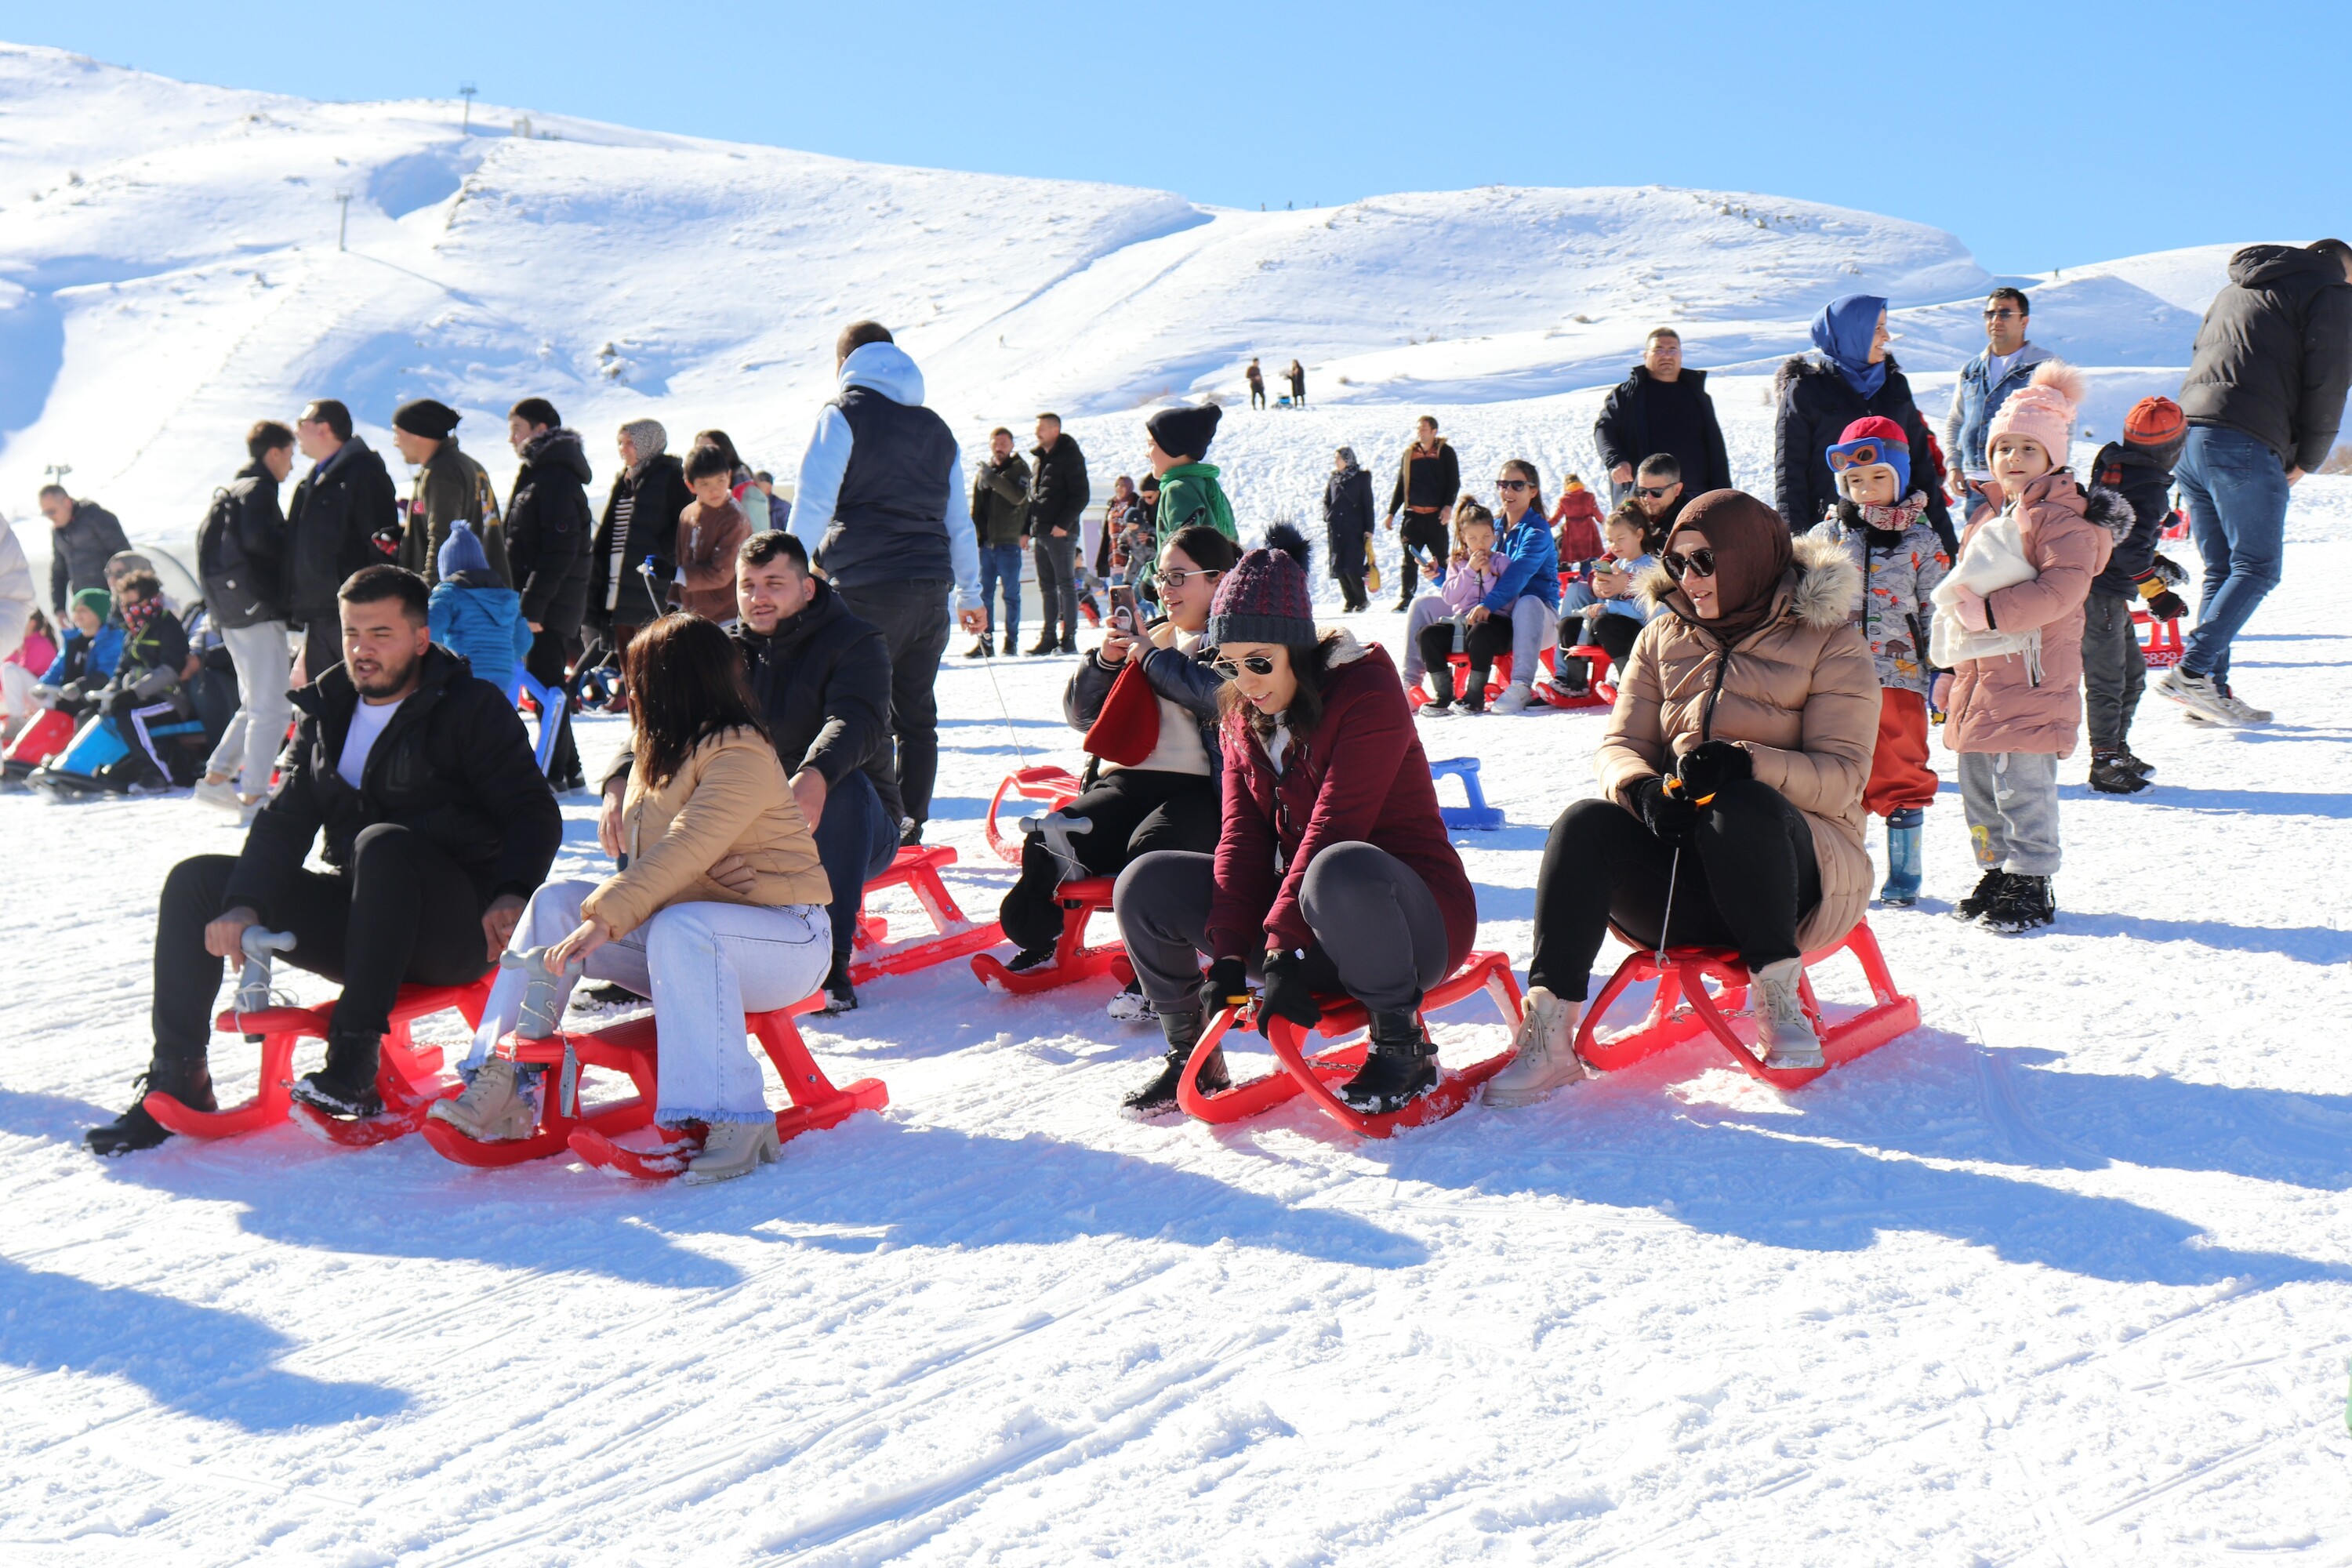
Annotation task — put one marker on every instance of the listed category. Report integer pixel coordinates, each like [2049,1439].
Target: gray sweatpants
[2114,672]
[2011,802]
[1379,934]
[248,747]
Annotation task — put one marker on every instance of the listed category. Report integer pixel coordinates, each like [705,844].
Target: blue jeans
[2236,491]
[855,841]
[1001,561]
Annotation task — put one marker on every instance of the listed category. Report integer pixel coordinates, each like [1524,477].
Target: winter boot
[2110,775]
[189,1082]
[2139,765]
[499,1105]
[1044,645]
[1902,870]
[2024,903]
[1158,1097]
[733,1149]
[983,648]
[840,996]
[1400,1066]
[1989,887]
[1132,1006]
[1069,643]
[1546,1056]
[1784,1033]
[910,833]
[1441,691]
[1515,698]
[345,1087]
[1573,674]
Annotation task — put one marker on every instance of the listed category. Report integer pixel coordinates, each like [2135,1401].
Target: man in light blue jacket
[1985,383]
[881,508]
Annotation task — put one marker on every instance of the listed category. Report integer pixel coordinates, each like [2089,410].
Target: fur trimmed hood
[1812,367]
[1827,591]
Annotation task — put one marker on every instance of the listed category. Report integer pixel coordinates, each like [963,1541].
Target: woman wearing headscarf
[650,491]
[1851,377]
[1348,526]
[1732,775]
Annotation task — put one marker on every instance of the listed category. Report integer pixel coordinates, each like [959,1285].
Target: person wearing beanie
[449,485]
[2008,632]
[1881,527]
[1731,774]
[640,520]
[88,648]
[1189,494]
[474,615]
[1851,377]
[2139,469]
[1333,871]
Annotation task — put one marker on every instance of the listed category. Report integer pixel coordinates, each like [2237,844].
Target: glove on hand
[1708,766]
[1286,992]
[1225,986]
[2163,603]
[2168,571]
[1669,816]
[47,696]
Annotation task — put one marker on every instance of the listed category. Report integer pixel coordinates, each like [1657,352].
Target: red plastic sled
[917,868]
[1498,677]
[1684,981]
[1073,959]
[1053,787]
[2162,646]
[1600,686]
[631,1046]
[399,1066]
[45,734]
[1299,1073]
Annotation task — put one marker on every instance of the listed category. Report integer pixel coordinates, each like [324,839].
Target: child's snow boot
[189,1082]
[1989,887]
[1903,857]
[2024,903]
[2137,765]
[2111,775]
[1545,1055]
[1183,1032]
[1784,1037]
[733,1149]
[345,1087]
[1400,1066]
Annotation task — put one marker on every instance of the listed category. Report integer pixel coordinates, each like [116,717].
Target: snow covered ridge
[169,271]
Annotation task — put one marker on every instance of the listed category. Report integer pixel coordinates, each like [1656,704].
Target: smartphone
[1123,613]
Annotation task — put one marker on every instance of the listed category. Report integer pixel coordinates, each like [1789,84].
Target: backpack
[220,518]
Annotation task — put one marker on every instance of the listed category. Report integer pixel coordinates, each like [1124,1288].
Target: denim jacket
[1974,403]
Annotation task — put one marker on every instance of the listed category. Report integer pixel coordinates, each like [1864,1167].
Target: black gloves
[1669,816]
[1708,766]
[1285,993]
[1225,986]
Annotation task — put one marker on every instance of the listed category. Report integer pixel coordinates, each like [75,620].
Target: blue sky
[2045,136]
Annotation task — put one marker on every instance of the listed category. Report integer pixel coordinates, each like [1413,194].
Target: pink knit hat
[2043,409]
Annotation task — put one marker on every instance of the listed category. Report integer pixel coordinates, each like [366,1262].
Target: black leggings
[1134,812]
[1748,876]
[1483,643]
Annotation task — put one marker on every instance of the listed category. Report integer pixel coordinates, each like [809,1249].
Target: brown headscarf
[1752,559]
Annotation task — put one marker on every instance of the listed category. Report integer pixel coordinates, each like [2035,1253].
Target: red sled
[1051,787]
[1074,959]
[2161,644]
[1297,1073]
[1600,685]
[917,869]
[44,736]
[1685,1009]
[405,1070]
[632,1046]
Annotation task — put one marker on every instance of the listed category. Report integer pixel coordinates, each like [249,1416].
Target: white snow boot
[1515,698]
[1547,1057]
[1784,1034]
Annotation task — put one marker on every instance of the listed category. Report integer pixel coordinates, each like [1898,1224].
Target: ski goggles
[1864,454]
[1230,670]
[1700,562]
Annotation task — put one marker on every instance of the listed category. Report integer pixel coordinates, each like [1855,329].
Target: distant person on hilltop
[1662,407]
[2264,397]
[1256,378]
[83,537]
[1297,373]
[640,520]
[1853,377]
[1429,477]
[882,511]
[342,504]
[1985,383]
[1057,504]
[548,526]
[1190,493]
[450,486]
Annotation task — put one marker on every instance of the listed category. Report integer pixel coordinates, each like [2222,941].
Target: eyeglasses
[1257,664]
[1700,561]
[1169,577]
[1860,455]
[1513,485]
[1651,492]
[2004,314]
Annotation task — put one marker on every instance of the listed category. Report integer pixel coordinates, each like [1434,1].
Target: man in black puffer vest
[438,824]
[882,512]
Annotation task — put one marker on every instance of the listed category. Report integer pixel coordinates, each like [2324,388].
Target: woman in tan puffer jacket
[704,785]
[1732,770]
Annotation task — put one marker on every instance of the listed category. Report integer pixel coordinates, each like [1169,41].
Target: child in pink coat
[22,671]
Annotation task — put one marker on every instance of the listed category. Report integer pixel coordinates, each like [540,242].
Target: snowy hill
[168,273]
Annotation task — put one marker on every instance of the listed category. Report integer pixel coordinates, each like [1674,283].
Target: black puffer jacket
[2145,484]
[240,552]
[454,766]
[2273,357]
[822,683]
[1623,434]
[657,495]
[79,551]
[1348,519]
[339,508]
[1058,494]
[1816,403]
[548,529]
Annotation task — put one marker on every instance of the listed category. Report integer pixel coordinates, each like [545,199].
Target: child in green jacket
[1189,490]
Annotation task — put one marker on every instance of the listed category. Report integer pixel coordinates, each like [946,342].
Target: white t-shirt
[368,720]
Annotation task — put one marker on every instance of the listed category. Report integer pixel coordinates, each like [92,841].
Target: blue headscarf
[1842,332]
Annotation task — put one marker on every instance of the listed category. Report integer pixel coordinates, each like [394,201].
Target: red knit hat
[2155,422]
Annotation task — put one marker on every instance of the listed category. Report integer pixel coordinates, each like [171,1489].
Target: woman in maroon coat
[1333,874]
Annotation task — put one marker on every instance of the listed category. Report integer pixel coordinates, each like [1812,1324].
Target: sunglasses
[1513,485]
[1230,669]
[1861,455]
[1651,492]
[1175,578]
[1700,561]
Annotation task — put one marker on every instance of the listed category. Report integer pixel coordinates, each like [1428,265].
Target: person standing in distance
[881,509]
[84,537]
[1057,502]
[240,550]
[449,486]
[342,505]
[548,529]
[1662,407]
[1985,383]
[1428,476]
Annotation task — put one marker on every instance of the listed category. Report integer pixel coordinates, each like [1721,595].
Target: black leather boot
[189,1082]
[345,1087]
[1183,1032]
[1400,1066]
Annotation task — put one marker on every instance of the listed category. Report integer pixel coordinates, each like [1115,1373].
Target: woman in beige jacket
[704,785]
[1732,775]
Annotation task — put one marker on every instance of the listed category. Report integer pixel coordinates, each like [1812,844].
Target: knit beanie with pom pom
[1264,597]
[2042,410]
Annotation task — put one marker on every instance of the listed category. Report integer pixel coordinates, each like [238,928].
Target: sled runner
[917,869]
[403,1073]
[1599,684]
[1073,959]
[1685,1009]
[1054,787]
[1477,816]
[2160,643]
[632,1046]
[1297,1073]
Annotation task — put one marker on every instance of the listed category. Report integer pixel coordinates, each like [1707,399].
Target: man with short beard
[438,824]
